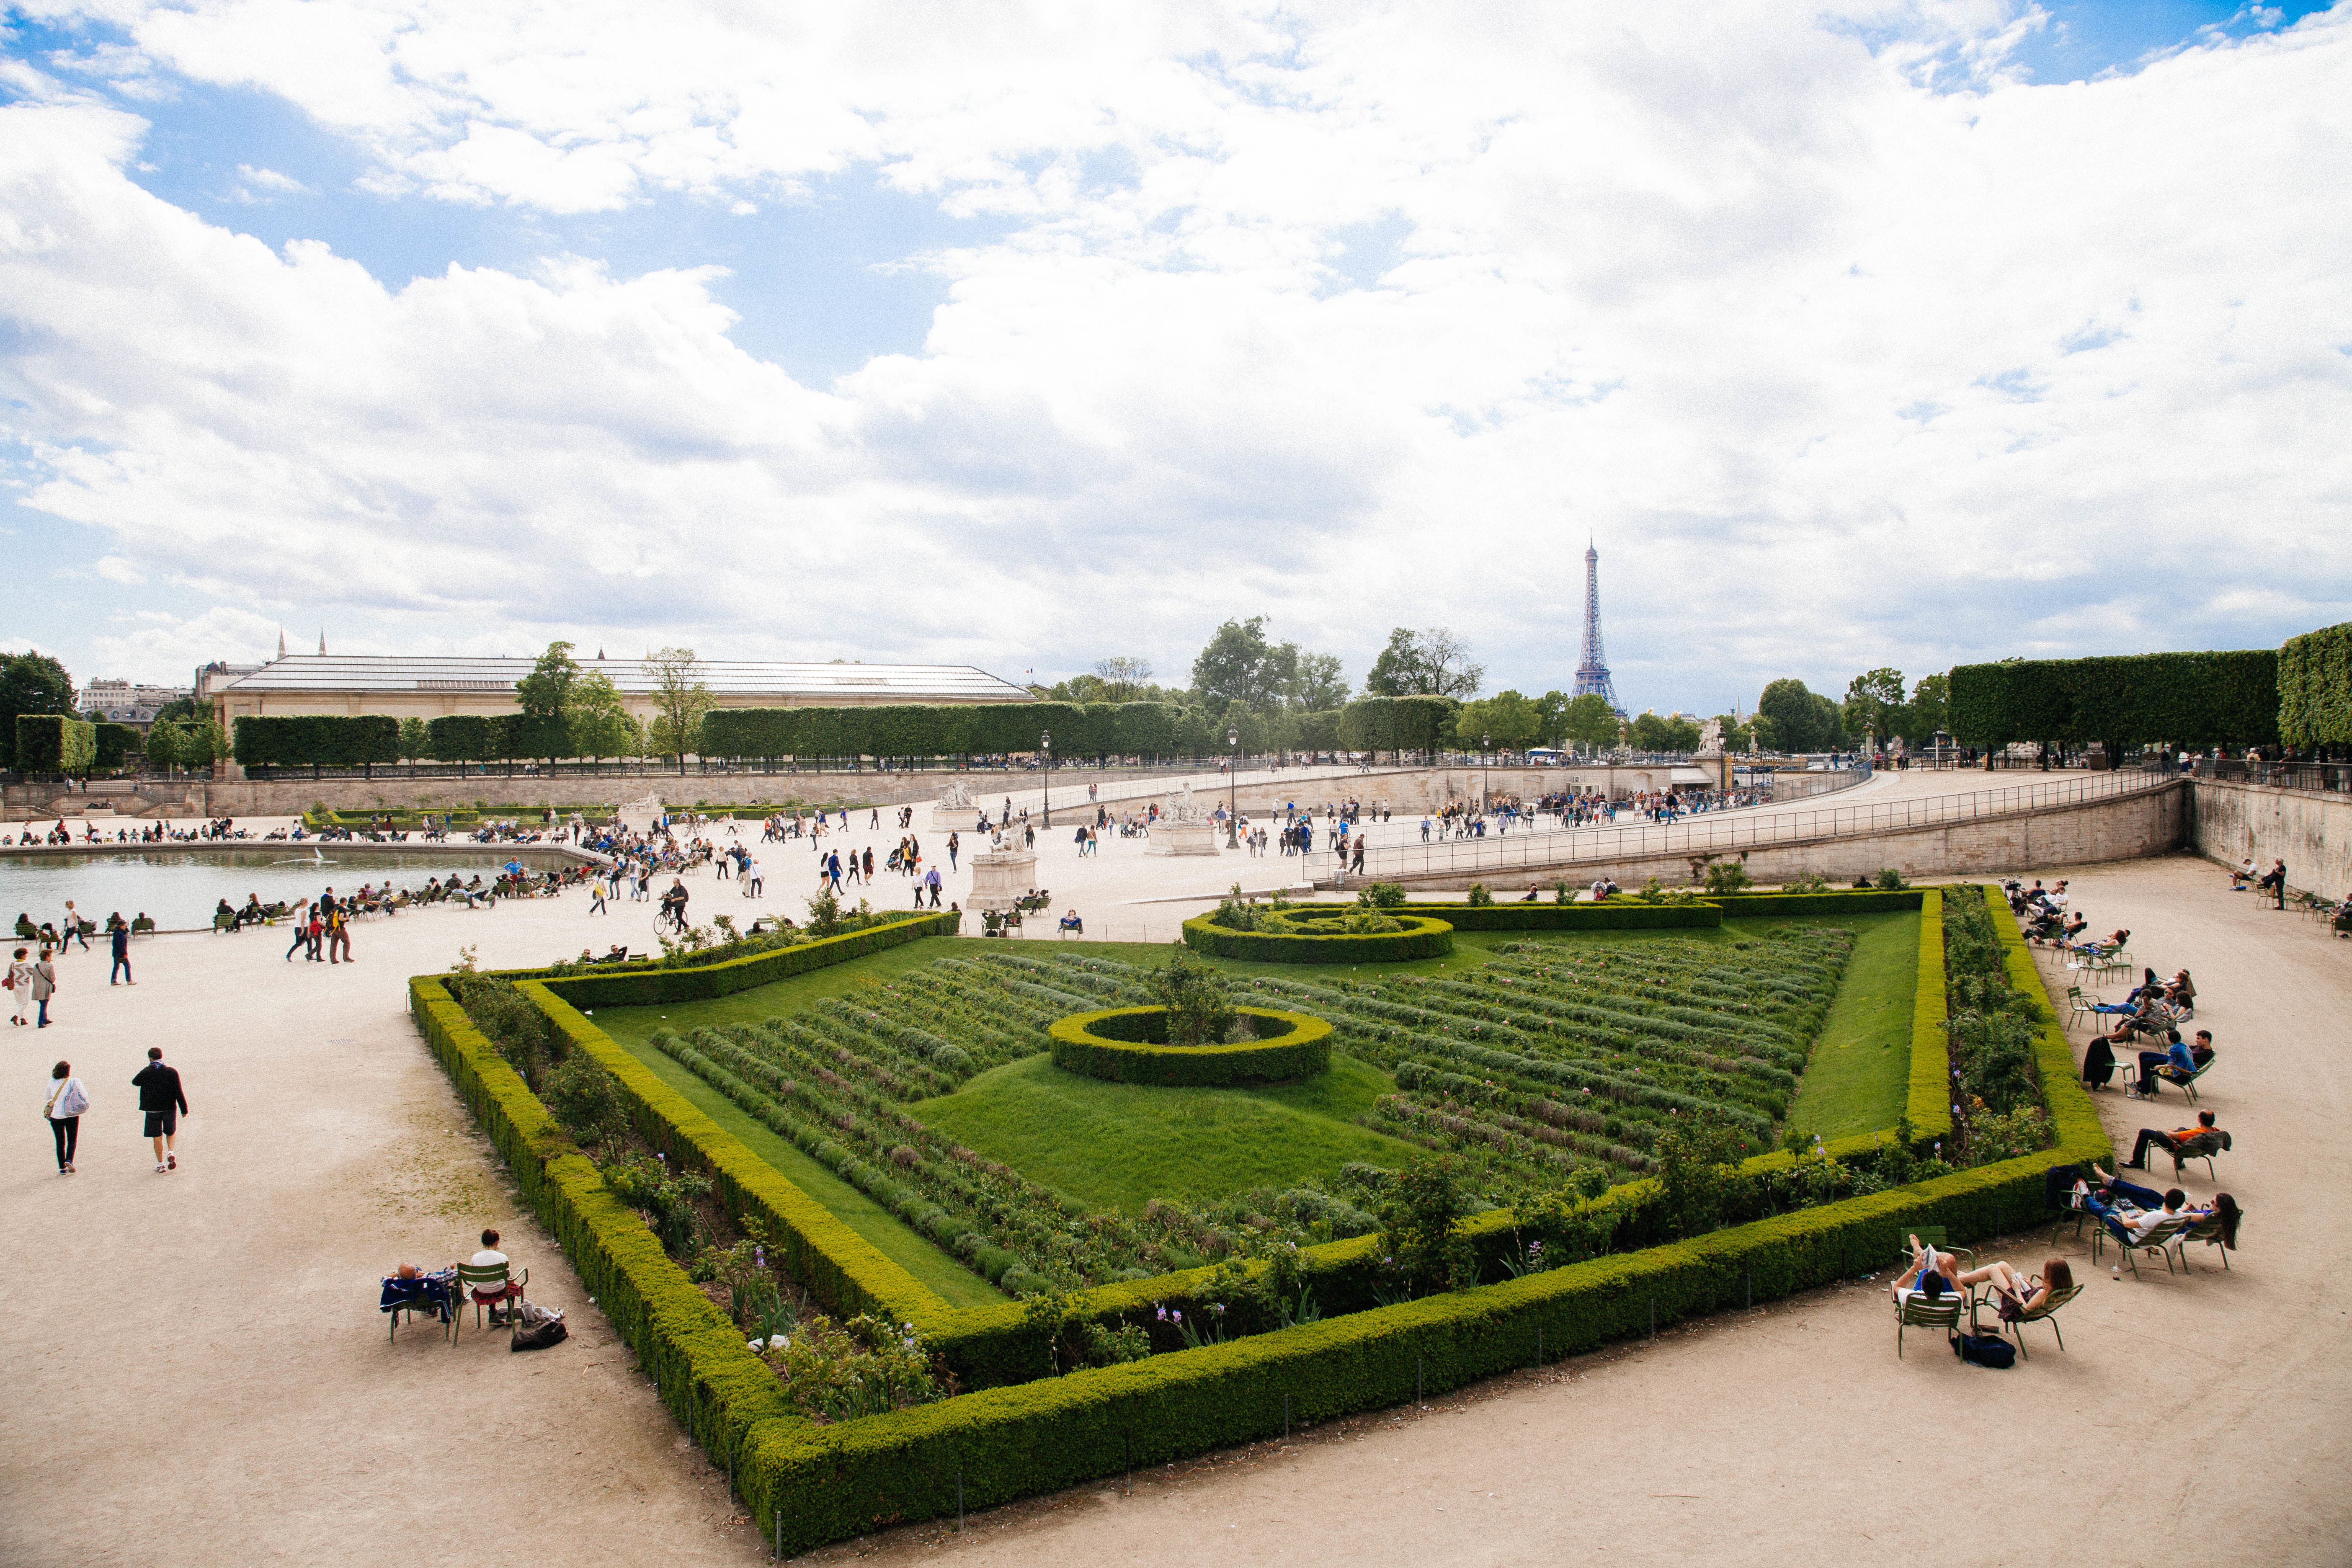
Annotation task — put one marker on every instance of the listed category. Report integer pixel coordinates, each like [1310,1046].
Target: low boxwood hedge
[646,987]
[1013,1438]
[1116,1044]
[1608,915]
[1425,936]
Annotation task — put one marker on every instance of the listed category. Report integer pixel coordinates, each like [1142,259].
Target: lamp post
[1486,779]
[1232,790]
[1045,747]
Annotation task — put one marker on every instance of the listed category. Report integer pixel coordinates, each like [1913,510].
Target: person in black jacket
[161,1097]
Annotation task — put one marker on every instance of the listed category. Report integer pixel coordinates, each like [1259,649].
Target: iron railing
[1714,833]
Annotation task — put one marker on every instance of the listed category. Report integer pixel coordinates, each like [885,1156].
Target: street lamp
[1232,790]
[1486,779]
[1045,746]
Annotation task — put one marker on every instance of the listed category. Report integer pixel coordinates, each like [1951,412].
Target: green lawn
[1119,1145]
[1862,1064]
[951,1281]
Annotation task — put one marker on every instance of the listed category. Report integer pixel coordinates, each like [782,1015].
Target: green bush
[1612,915]
[1119,1043]
[2184,699]
[55,744]
[643,988]
[1422,937]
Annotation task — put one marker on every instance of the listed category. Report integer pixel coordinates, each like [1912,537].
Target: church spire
[281,639]
[323,642]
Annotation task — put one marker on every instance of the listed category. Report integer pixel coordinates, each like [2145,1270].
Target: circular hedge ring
[1118,1044]
[1424,936]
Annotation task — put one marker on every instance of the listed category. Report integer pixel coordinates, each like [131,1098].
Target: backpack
[536,1328]
[1984,1350]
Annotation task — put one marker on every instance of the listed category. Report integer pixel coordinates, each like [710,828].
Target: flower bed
[806,1484]
[1422,937]
[1119,1044]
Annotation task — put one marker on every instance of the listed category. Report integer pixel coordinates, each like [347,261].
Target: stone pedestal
[1000,877]
[955,819]
[1195,838]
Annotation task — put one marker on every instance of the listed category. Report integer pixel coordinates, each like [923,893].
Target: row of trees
[2193,699]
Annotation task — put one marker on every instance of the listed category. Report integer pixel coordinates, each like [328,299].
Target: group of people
[145,833]
[32,980]
[163,1101]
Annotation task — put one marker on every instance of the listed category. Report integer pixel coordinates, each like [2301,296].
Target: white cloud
[267,184]
[1841,369]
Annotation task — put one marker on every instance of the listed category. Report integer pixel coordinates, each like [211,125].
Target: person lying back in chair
[2174,1141]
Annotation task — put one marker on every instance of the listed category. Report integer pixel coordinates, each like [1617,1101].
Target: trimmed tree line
[2194,699]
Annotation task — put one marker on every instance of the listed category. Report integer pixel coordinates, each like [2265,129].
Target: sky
[1889,332]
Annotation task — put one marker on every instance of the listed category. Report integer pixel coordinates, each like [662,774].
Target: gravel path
[200,1375]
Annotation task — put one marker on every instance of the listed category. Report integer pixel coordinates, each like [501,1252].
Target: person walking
[759,882]
[118,936]
[72,930]
[596,899]
[955,843]
[164,1101]
[302,929]
[20,984]
[339,932]
[45,985]
[67,1100]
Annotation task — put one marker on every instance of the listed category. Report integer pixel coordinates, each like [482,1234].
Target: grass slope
[1118,1146]
[947,1278]
[1861,1066]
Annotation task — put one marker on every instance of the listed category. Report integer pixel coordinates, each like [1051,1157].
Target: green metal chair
[2045,1313]
[1916,1311]
[2157,1240]
[2208,1231]
[471,1279]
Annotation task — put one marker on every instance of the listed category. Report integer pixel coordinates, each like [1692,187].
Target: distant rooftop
[302,672]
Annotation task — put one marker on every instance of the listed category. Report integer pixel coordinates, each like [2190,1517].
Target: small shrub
[1422,1209]
[1727,877]
[1890,880]
[1383,894]
[586,1099]
[1479,896]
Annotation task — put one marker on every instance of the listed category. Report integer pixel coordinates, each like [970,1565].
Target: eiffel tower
[1592,668]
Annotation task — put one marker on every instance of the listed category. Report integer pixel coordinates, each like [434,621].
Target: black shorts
[161,1123]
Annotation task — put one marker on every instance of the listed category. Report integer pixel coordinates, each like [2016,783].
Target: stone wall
[2311,830]
[2126,827]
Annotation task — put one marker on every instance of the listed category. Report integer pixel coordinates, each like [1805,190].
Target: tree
[681,699]
[30,683]
[1796,718]
[545,697]
[1590,720]
[1871,702]
[1122,677]
[416,739]
[1240,666]
[1507,720]
[1738,736]
[1929,712]
[602,725]
[163,746]
[1316,684]
[1431,663]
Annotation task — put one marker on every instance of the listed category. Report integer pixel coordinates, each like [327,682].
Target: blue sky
[815,336]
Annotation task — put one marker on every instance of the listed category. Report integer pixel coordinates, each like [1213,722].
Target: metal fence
[1543,848]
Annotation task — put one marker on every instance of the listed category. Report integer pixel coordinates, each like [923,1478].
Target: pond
[180,888]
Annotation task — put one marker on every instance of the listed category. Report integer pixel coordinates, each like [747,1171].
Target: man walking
[161,1097]
[118,936]
[339,932]
[72,930]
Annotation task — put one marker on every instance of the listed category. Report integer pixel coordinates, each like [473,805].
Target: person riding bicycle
[673,903]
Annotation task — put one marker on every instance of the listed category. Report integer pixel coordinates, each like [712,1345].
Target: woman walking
[67,1100]
[20,981]
[45,985]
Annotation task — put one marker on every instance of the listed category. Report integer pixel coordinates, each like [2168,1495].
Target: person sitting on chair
[2181,991]
[492,1258]
[2129,1212]
[1932,1274]
[2170,1143]
[2014,1294]
[1070,922]
[2242,875]
[2176,1062]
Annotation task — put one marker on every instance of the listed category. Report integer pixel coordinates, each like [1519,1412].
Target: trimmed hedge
[2315,680]
[646,987]
[2185,699]
[1611,915]
[317,740]
[1014,1438]
[1423,937]
[1115,1044]
[55,744]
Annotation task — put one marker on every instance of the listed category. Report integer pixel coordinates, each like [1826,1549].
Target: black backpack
[1984,1350]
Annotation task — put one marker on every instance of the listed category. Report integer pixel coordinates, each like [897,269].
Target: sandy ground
[201,1376]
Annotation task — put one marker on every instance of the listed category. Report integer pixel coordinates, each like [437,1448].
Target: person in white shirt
[68,1100]
[492,1258]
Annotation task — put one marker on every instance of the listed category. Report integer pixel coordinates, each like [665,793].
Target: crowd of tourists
[144,833]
